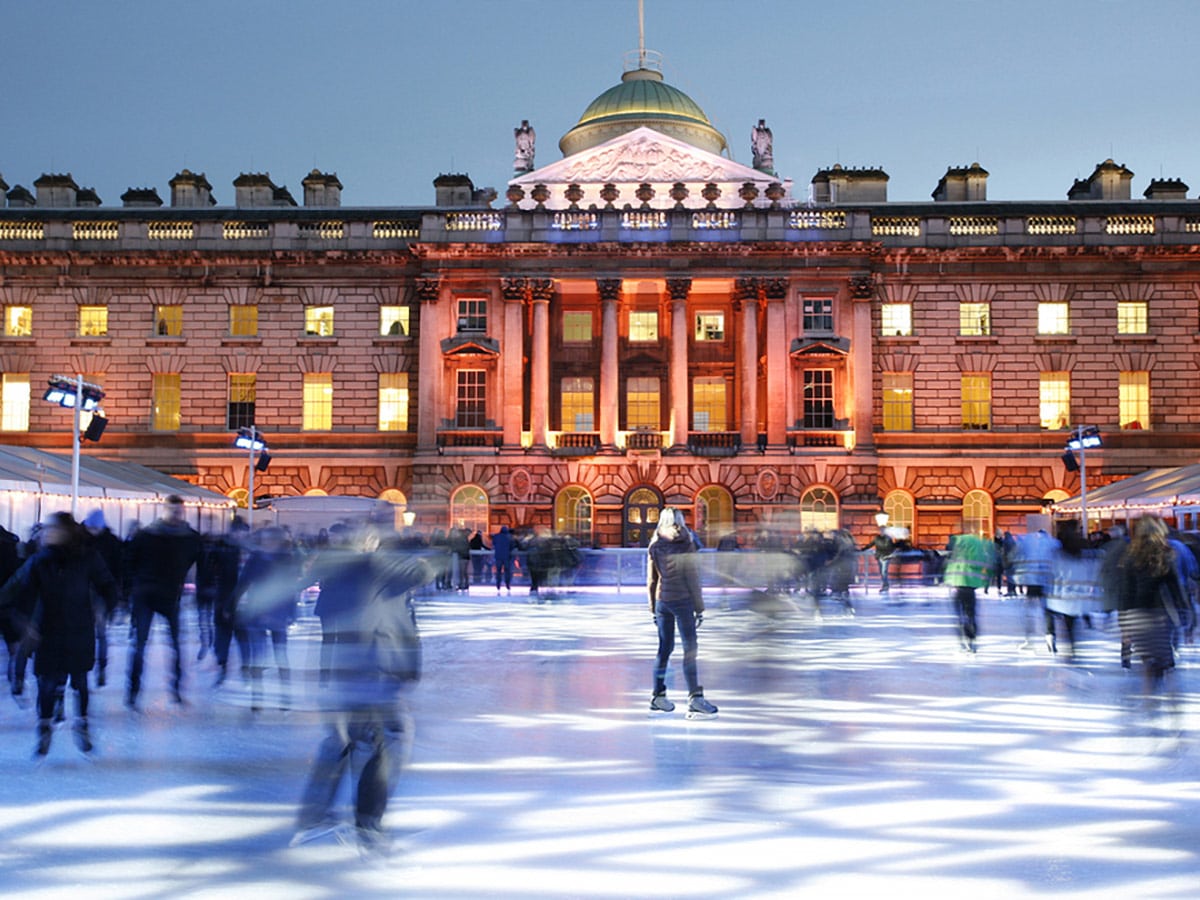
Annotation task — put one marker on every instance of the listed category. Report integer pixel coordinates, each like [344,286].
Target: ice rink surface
[852,757]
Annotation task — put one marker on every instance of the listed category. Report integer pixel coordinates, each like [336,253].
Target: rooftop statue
[525,137]
[761,148]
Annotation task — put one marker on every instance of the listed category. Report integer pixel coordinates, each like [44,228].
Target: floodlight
[1085,439]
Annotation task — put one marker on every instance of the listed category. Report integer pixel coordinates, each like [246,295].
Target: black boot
[44,732]
[83,739]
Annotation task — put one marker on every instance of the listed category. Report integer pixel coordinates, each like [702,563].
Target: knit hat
[94,520]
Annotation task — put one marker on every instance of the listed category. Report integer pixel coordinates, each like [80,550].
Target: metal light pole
[1082,482]
[75,449]
[252,441]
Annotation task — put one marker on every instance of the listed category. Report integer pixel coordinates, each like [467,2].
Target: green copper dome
[642,99]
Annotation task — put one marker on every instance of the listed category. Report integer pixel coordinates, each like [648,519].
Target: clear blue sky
[390,93]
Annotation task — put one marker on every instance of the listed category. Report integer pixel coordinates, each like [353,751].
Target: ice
[858,756]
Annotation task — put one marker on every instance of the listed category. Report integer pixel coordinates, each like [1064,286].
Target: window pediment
[464,345]
[820,348]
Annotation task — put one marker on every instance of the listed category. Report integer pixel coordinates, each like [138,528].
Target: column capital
[862,287]
[427,289]
[541,290]
[514,289]
[774,288]
[745,289]
[609,288]
[679,288]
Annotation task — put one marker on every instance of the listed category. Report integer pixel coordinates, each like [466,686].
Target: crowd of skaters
[64,589]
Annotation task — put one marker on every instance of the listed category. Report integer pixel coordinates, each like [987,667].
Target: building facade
[642,322]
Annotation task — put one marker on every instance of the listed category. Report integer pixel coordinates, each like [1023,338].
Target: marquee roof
[1154,490]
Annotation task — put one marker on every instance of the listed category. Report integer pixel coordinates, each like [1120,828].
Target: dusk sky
[390,93]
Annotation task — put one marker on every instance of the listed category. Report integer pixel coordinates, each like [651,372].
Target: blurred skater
[159,557]
[1149,599]
[59,579]
[112,551]
[972,563]
[267,592]
[375,661]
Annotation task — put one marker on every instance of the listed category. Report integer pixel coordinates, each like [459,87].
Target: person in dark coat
[216,581]
[1149,597]
[60,579]
[159,558]
[673,585]
[10,561]
[502,556]
[267,592]
[343,572]
[112,551]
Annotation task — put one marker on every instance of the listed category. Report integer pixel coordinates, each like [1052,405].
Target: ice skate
[324,828]
[660,703]
[700,708]
[83,738]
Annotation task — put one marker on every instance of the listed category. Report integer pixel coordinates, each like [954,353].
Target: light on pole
[1086,437]
[79,396]
[252,440]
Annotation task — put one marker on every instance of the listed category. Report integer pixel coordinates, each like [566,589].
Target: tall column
[429,379]
[779,387]
[610,291]
[678,289]
[862,292]
[540,292]
[512,352]
[745,301]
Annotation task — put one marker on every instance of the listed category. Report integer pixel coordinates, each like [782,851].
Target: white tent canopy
[1171,492]
[34,483]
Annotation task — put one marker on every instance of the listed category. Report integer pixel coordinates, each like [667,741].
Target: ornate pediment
[645,156]
[836,347]
[471,345]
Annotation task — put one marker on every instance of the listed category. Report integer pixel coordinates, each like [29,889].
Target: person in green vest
[972,564]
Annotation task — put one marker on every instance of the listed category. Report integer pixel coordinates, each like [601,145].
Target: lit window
[243,321]
[243,392]
[710,326]
[896,320]
[977,401]
[974,319]
[977,513]
[818,398]
[1054,400]
[901,511]
[393,321]
[18,321]
[1134,400]
[165,402]
[318,321]
[577,326]
[1132,317]
[14,402]
[1054,318]
[317,412]
[472,314]
[708,404]
[577,405]
[168,321]
[897,401]
[643,325]
[469,509]
[818,315]
[818,510]
[573,513]
[393,401]
[642,404]
[93,321]
[471,399]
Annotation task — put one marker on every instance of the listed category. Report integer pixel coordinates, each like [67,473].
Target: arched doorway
[977,513]
[641,515]
[399,505]
[818,510]
[469,509]
[573,514]
[714,514]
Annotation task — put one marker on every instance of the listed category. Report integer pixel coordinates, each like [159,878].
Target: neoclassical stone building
[643,321]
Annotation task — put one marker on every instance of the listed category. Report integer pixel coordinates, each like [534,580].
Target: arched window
[469,508]
[714,514]
[977,513]
[240,496]
[573,514]
[901,512]
[819,510]
[316,492]
[399,505]
[1057,495]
